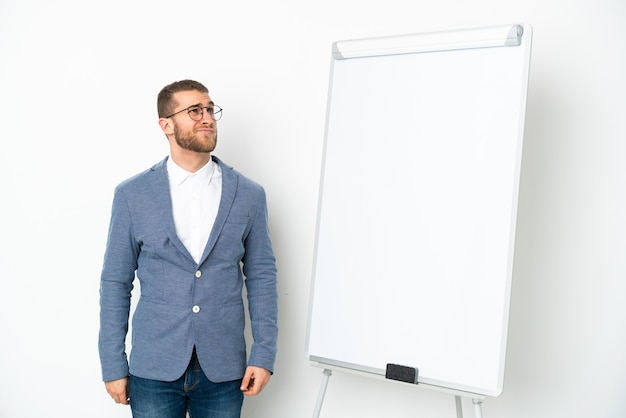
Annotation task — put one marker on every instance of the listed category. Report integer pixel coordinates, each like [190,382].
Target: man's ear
[166,126]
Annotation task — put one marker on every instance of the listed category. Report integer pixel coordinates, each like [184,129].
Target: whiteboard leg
[322,393]
[478,408]
[459,407]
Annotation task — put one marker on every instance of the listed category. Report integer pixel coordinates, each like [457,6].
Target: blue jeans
[192,393]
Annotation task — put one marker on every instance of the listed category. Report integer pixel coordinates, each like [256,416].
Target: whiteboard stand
[459,406]
[320,397]
[478,410]
[477,400]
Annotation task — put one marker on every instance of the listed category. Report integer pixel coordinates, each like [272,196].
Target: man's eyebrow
[200,104]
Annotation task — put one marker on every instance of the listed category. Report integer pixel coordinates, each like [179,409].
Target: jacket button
[195,309]
[198,274]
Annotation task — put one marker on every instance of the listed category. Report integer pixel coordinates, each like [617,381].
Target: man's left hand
[254,380]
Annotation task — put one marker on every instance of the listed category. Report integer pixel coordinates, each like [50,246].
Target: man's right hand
[118,389]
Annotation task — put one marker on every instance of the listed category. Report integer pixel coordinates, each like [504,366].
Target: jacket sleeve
[116,284]
[259,268]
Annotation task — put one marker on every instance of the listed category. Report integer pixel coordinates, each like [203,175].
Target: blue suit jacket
[184,304]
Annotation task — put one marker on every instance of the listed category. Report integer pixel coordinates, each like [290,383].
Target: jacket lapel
[163,199]
[229,189]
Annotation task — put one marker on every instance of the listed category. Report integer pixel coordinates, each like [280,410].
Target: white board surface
[417,209]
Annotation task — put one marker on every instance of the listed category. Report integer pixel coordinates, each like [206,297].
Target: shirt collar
[178,175]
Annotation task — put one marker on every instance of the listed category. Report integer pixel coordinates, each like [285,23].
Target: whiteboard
[417,207]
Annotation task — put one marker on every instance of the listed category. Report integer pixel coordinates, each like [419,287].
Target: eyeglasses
[196,112]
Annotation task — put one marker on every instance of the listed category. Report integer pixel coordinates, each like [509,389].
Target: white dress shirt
[195,201]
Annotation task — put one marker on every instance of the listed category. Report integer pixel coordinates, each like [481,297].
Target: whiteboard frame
[518,36]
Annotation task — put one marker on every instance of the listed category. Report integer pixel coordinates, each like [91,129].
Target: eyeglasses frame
[203,109]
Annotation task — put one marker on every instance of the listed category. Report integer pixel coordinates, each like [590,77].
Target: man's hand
[254,380]
[118,389]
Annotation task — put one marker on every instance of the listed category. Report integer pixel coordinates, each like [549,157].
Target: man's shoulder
[242,180]
[141,180]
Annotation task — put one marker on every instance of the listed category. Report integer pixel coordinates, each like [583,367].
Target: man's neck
[191,161]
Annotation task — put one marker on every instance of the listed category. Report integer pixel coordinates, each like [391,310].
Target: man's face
[197,136]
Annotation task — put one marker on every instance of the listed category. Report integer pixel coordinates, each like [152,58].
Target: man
[192,230]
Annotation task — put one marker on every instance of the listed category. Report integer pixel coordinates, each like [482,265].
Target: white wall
[78,85]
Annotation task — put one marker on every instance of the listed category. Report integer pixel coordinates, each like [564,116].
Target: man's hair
[165,101]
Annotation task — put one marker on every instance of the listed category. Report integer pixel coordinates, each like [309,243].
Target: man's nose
[206,117]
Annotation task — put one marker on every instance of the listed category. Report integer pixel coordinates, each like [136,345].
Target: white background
[78,85]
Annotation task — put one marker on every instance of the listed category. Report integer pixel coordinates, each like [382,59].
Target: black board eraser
[401,373]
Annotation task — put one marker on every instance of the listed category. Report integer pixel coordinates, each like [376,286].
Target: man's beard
[187,140]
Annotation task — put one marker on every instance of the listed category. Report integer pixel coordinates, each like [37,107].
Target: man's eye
[195,110]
